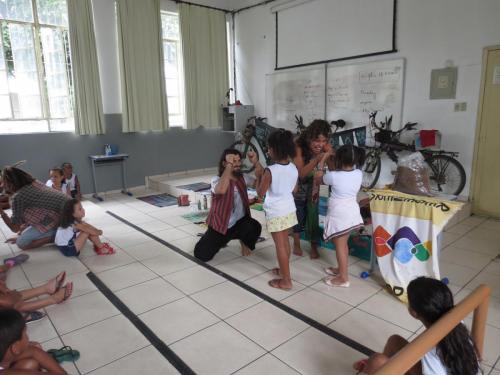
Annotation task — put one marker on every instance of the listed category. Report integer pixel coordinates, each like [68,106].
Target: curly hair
[14,179]
[281,142]
[315,129]
[430,299]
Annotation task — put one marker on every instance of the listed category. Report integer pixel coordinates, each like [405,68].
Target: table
[105,160]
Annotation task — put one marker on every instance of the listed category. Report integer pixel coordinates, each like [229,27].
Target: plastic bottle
[199,204]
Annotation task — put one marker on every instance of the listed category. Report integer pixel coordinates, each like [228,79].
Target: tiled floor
[214,325]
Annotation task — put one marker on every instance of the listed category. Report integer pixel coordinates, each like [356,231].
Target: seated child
[72,180]
[57,181]
[19,356]
[73,232]
[20,300]
[430,299]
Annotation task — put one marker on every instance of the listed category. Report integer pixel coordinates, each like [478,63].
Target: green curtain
[88,102]
[206,77]
[141,65]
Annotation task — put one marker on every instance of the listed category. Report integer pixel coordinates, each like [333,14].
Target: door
[486,178]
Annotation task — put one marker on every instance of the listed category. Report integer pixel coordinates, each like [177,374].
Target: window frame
[36,28]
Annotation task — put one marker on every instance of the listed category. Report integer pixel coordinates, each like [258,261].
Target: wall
[150,153]
[429,32]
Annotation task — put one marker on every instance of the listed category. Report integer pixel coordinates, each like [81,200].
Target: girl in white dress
[343,215]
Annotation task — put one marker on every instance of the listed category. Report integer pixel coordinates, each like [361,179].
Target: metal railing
[477,301]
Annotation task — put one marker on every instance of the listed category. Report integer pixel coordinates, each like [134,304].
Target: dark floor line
[164,350]
[313,323]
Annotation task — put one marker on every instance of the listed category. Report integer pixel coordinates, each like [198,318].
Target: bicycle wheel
[371,170]
[246,165]
[446,174]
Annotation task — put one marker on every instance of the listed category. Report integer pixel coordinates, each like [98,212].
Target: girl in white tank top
[278,182]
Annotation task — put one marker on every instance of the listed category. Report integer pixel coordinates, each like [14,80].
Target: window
[35,67]
[172,63]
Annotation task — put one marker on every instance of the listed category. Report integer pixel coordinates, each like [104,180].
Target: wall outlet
[460,107]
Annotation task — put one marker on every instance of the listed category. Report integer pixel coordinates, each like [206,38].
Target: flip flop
[65,354]
[17,260]
[60,282]
[330,282]
[34,316]
[68,291]
[276,283]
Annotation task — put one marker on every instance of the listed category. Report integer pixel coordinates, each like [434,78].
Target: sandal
[330,271]
[60,281]
[331,281]
[17,260]
[276,283]
[68,291]
[360,365]
[105,249]
[65,354]
[34,316]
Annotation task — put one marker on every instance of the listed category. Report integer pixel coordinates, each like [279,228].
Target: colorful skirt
[342,217]
[277,224]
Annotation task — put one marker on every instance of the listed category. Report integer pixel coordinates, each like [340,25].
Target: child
[54,289]
[429,300]
[73,232]
[72,180]
[19,356]
[343,215]
[57,182]
[278,183]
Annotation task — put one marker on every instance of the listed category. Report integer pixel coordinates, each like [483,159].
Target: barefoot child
[343,215]
[429,300]
[19,356]
[73,232]
[278,182]
[56,181]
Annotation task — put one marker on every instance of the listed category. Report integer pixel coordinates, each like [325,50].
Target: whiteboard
[325,30]
[295,92]
[355,90]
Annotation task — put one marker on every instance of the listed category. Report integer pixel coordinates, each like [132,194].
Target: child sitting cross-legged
[73,232]
[19,356]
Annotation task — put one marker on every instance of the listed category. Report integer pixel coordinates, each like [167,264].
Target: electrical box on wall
[444,83]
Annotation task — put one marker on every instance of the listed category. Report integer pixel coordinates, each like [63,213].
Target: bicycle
[446,174]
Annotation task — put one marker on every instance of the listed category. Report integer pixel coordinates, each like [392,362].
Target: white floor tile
[168,263]
[456,274]
[225,299]
[172,234]
[128,239]
[178,319]
[80,311]
[174,221]
[56,343]
[460,228]
[493,267]
[16,279]
[147,361]
[478,245]
[465,258]
[193,279]
[41,330]
[147,250]
[314,353]
[491,350]
[359,291]
[153,226]
[222,257]
[192,229]
[367,329]
[267,325]
[101,263]
[104,342]
[316,305]
[492,280]
[217,350]
[186,244]
[149,295]
[125,276]
[389,308]
[241,268]
[267,364]
[493,309]
[308,271]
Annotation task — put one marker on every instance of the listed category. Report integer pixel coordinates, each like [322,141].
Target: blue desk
[104,160]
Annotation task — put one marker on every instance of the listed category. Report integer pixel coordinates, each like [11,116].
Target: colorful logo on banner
[404,245]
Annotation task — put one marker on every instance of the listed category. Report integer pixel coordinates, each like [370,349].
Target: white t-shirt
[345,184]
[238,209]
[71,182]
[64,186]
[64,235]
[279,197]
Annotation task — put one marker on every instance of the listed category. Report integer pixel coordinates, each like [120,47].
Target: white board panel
[297,92]
[325,30]
[357,89]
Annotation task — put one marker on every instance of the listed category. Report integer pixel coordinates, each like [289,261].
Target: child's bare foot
[314,252]
[56,283]
[297,251]
[281,284]
[63,293]
[245,251]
